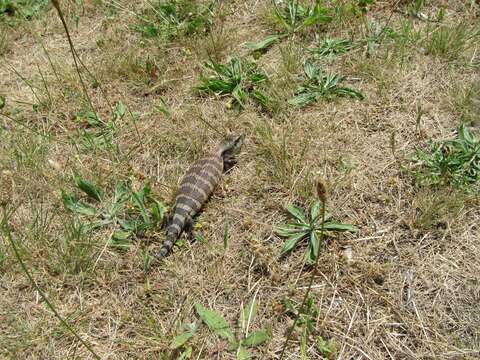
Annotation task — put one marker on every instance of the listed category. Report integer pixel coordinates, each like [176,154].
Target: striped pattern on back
[195,188]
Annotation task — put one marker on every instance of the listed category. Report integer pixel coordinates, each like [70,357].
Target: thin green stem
[8,235]
[307,293]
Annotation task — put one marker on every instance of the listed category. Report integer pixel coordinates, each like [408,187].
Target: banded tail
[196,188]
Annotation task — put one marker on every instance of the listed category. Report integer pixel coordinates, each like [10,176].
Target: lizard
[196,187]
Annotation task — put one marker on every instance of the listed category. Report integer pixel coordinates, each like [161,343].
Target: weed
[236,79]
[452,162]
[11,11]
[181,340]
[220,327]
[172,18]
[307,321]
[291,18]
[308,226]
[331,47]
[316,84]
[129,212]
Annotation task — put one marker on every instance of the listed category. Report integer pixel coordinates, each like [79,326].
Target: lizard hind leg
[166,220]
[188,228]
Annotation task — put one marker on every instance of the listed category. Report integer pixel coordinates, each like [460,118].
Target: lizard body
[196,188]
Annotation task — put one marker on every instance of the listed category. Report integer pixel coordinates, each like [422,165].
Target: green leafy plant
[453,162]
[129,212]
[237,79]
[174,18]
[247,339]
[96,133]
[316,84]
[180,341]
[307,321]
[331,47]
[291,18]
[294,16]
[307,226]
[13,10]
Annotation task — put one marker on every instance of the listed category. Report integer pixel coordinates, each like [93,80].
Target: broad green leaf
[187,354]
[215,322]
[256,338]
[310,255]
[315,242]
[71,203]
[315,211]
[297,213]
[265,43]
[248,314]
[120,239]
[243,354]
[333,226]
[138,199]
[119,110]
[464,134]
[158,211]
[303,99]
[291,229]
[291,242]
[88,188]
[181,339]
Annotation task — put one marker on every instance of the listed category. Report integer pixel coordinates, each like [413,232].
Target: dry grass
[405,286]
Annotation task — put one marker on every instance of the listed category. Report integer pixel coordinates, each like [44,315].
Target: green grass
[453,162]
[238,79]
[450,42]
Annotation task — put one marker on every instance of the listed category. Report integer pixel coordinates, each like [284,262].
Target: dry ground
[407,285]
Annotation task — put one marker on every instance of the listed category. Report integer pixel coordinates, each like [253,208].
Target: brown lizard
[196,187]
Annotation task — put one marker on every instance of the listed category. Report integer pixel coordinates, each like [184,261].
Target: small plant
[128,212]
[452,162]
[308,226]
[95,133]
[317,84]
[331,47]
[292,18]
[247,339]
[13,10]
[236,79]
[180,341]
[307,321]
[174,18]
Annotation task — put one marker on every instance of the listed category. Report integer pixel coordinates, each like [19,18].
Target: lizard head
[228,148]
